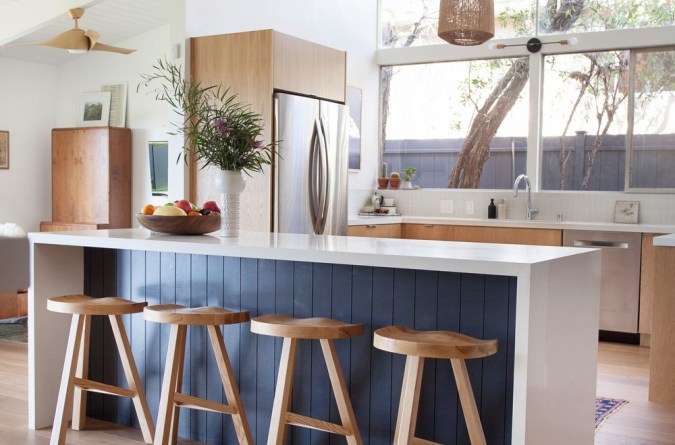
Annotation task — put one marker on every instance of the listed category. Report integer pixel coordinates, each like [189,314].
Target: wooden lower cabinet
[647,266]
[509,235]
[474,234]
[376,230]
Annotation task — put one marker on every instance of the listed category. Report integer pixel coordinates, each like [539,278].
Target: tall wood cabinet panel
[253,65]
[647,266]
[91,178]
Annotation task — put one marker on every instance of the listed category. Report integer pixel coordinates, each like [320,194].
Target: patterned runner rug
[14,329]
[605,407]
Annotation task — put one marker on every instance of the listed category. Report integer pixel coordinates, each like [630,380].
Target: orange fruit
[148,209]
[194,214]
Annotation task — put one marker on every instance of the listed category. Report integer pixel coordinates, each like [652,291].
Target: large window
[652,139]
[587,127]
[432,112]
[400,19]
[598,119]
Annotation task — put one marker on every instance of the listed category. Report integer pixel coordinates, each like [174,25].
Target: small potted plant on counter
[394,180]
[408,176]
[383,180]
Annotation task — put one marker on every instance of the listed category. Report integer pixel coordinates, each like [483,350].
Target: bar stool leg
[473,424]
[230,386]
[65,399]
[82,372]
[282,395]
[182,340]
[133,379]
[410,398]
[166,421]
[341,394]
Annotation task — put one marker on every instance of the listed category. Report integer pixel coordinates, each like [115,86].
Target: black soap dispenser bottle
[492,210]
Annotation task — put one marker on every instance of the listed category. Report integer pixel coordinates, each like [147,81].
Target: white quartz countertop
[493,259]
[533,224]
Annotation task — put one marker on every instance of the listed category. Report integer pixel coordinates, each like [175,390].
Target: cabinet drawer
[509,235]
[438,232]
[376,230]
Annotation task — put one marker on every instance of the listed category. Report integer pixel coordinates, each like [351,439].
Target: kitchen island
[541,303]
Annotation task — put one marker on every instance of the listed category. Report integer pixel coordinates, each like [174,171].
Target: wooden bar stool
[74,382]
[417,346]
[325,330]
[172,399]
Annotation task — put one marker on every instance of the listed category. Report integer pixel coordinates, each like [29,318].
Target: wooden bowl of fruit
[172,219]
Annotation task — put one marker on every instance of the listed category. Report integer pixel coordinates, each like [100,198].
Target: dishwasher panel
[620,288]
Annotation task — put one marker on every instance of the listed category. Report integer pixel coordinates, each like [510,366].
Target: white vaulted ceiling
[115,20]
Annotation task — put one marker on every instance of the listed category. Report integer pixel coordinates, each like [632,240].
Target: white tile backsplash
[658,209]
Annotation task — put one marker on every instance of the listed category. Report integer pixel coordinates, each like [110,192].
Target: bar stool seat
[418,345]
[200,316]
[86,305]
[74,381]
[172,398]
[304,328]
[325,330]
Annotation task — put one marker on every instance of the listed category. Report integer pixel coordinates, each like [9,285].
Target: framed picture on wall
[626,212]
[354,127]
[93,109]
[4,149]
[118,103]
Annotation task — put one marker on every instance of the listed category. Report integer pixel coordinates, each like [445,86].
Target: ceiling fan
[78,41]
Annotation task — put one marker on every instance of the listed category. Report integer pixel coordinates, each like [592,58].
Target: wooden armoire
[91,179]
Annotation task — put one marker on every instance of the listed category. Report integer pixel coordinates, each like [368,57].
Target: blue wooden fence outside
[653,163]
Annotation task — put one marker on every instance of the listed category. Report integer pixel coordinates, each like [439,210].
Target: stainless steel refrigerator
[310,181]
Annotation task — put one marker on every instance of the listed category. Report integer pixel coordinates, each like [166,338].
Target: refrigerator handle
[313,175]
[326,178]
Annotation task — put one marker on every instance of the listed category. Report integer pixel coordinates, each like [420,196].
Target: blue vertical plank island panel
[153,354]
[199,347]
[479,305]
[214,297]
[265,369]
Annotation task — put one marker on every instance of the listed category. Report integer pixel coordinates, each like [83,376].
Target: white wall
[347,25]
[27,95]
[146,117]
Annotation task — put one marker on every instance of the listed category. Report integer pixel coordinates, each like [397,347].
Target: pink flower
[222,127]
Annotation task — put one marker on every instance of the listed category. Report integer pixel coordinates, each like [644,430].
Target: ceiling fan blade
[73,39]
[112,49]
[93,37]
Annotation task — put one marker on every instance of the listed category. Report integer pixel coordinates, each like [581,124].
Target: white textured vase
[229,185]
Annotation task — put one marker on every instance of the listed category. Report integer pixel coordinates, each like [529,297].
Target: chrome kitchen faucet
[530,210]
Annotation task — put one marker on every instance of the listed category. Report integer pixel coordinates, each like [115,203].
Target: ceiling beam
[30,15]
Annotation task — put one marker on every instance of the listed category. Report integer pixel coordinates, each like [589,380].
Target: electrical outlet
[468,206]
[447,206]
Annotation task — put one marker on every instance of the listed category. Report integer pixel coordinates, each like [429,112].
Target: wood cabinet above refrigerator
[253,65]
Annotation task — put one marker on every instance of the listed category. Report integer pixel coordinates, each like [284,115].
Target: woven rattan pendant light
[466,22]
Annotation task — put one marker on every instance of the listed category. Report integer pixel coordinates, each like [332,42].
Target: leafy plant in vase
[218,131]
[408,176]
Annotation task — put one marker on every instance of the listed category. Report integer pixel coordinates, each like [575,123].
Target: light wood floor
[622,373]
